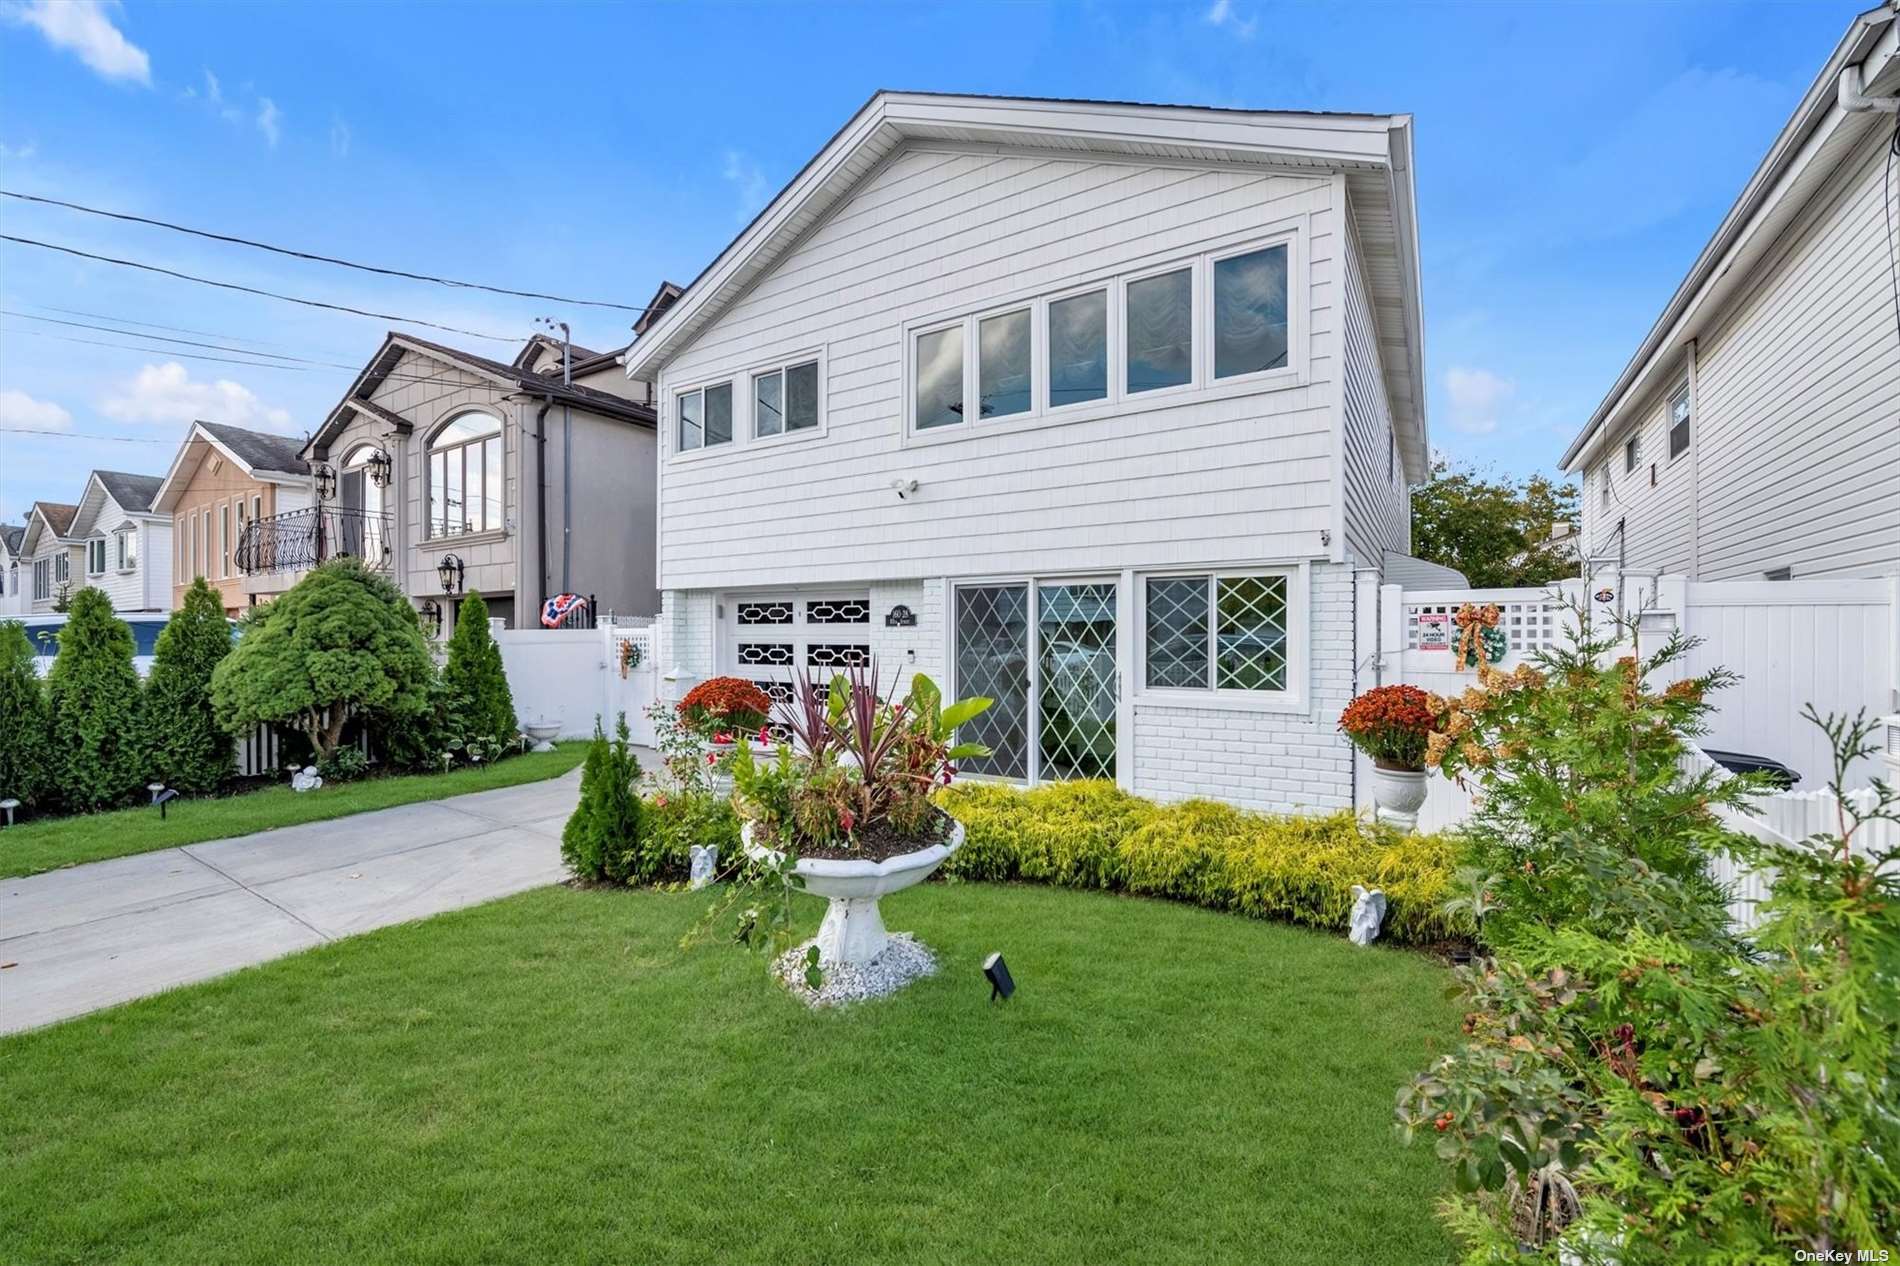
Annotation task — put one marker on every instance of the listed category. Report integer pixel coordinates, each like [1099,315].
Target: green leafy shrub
[672,823]
[1300,869]
[93,699]
[26,770]
[345,764]
[185,746]
[478,700]
[603,838]
[340,644]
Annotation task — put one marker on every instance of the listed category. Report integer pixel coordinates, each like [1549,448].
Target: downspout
[541,498]
[1848,90]
[567,461]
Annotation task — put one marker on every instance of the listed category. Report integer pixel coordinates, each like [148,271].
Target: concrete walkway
[89,936]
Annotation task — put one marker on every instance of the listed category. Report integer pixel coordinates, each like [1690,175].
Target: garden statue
[704,859]
[305,779]
[1368,911]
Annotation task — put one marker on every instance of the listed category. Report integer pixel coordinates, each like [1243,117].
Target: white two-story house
[1755,434]
[50,557]
[125,544]
[1105,411]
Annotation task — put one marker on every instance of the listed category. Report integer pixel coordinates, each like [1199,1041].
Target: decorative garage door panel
[769,638]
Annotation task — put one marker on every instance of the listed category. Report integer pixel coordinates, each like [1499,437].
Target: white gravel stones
[902,961]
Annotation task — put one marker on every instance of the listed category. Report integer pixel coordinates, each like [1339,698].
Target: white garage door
[768,638]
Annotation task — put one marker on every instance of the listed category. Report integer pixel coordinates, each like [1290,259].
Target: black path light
[450,569]
[161,796]
[1001,986]
[9,804]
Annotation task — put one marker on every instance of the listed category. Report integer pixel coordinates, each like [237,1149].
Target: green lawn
[549,1079]
[32,847]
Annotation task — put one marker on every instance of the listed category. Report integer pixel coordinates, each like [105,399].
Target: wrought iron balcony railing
[301,539]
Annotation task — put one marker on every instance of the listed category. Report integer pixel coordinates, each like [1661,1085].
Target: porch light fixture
[1001,986]
[432,616]
[379,466]
[326,481]
[450,569]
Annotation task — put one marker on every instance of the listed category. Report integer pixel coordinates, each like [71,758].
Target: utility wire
[321,259]
[252,290]
[161,338]
[154,325]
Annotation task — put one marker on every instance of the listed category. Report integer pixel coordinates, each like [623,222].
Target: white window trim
[1681,392]
[778,365]
[1292,699]
[120,542]
[100,543]
[446,540]
[743,437]
[1202,385]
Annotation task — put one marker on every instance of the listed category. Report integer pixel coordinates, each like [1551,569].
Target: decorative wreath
[630,655]
[1480,640]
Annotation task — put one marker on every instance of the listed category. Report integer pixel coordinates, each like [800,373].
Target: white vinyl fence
[575,676]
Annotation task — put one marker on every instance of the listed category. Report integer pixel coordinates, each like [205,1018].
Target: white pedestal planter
[542,733]
[1399,794]
[853,931]
[719,769]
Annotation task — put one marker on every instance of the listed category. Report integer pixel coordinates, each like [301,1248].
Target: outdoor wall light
[432,616]
[9,805]
[1001,986]
[326,481]
[379,467]
[450,569]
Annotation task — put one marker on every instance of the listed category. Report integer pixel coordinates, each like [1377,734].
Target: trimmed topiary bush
[185,747]
[1300,869]
[26,772]
[93,699]
[479,702]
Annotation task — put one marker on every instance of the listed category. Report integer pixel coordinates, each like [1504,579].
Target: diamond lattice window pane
[1177,633]
[1250,633]
[1076,636]
[993,661]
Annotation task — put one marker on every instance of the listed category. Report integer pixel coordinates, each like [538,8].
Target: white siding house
[51,560]
[1756,432]
[13,577]
[1093,408]
[125,545]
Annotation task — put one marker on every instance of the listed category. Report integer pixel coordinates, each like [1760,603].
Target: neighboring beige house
[124,544]
[524,485]
[223,479]
[1756,432]
[50,559]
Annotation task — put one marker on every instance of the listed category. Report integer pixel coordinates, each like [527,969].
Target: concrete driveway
[75,940]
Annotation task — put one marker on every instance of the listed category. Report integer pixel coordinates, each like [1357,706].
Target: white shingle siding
[1281,762]
[1376,501]
[937,233]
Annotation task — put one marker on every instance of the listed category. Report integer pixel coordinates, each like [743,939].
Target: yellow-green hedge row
[1301,869]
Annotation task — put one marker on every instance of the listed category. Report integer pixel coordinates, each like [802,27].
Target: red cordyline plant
[1391,724]
[724,706]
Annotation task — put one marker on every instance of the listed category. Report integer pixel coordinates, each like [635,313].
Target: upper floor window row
[763,404]
[1220,317]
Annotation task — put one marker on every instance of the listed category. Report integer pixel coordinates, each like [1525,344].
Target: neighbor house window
[1217,632]
[1078,349]
[785,401]
[705,417]
[1159,339]
[465,476]
[204,544]
[1002,364]
[939,392]
[62,567]
[1679,418]
[224,541]
[42,579]
[126,547]
[1250,312]
[96,556]
[1629,455]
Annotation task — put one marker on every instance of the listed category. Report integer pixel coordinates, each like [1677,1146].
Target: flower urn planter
[1398,793]
[853,931]
[719,769]
[542,733]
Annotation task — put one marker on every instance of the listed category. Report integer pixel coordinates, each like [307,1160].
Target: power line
[88,435]
[321,259]
[162,351]
[252,290]
[155,325]
[218,347]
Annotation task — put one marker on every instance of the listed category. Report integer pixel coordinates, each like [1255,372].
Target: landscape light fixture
[161,796]
[432,615]
[1001,986]
[326,481]
[450,569]
[9,805]
[379,467]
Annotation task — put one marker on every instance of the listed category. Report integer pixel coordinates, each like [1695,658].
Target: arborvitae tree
[479,702]
[580,838]
[340,644]
[602,839]
[93,696]
[26,773]
[185,746]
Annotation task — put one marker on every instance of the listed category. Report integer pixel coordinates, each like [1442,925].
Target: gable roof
[1809,149]
[1374,151]
[510,379]
[134,493]
[11,534]
[260,455]
[57,515]
[539,345]
[663,297]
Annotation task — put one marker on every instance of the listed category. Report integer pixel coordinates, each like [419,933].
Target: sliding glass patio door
[1051,644]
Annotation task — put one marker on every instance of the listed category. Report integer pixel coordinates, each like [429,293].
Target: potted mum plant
[845,810]
[724,713]
[1391,724]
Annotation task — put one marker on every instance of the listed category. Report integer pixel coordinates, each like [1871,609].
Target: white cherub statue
[305,779]
[704,859]
[1368,912]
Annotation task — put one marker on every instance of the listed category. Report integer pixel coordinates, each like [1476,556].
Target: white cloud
[21,410]
[166,395]
[84,28]
[744,174]
[269,120]
[1221,13]
[339,137]
[19,153]
[1476,397]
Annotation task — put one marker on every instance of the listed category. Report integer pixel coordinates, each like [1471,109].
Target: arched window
[465,476]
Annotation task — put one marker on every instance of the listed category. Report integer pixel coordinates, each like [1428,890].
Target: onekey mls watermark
[1843,1255]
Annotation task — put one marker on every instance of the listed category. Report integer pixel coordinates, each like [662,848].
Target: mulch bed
[877,844]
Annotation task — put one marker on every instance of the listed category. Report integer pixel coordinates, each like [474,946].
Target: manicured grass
[32,847]
[550,1079]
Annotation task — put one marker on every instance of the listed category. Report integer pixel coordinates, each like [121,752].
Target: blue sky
[1572,159]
